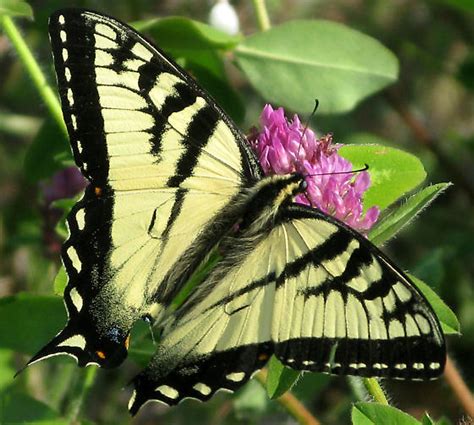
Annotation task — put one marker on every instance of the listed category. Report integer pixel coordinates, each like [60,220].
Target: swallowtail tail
[170,175]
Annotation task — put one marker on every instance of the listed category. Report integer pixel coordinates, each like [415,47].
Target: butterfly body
[171,180]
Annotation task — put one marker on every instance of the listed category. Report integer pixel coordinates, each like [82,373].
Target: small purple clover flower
[283,147]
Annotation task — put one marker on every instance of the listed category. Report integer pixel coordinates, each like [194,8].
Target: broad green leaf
[392,223]
[49,152]
[446,316]
[207,68]
[376,414]
[18,408]
[250,401]
[176,32]
[28,321]
[15,8]
[298,61]
[280,378]
[393,172]
[60,281]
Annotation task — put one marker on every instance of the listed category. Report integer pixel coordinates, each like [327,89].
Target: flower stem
[375,390]
[459,387]
[33,69]
[261,12]
[292,405]
[86,384]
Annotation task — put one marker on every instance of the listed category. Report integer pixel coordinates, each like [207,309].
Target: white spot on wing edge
[70,97]
[202,388]
[132,399]
[61,20]
[81,219]
[400,366]
[434,365]
[65,55]
[235,377]
[67,74]
[76,299]
[74,341]
[72,254]
[357,365]
[63,36]
[168,391]
[418,366]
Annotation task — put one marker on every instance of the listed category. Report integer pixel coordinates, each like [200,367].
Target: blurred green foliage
[399,74]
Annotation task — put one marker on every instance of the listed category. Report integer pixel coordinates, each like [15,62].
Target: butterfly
[172,179]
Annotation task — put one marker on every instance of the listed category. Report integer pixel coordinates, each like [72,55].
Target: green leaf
[15,8]
[446,316]
[298,61]
[280,378]
[176,32]
[393,172]
[17,408]
[28,321]
[250,401]
[48,153]
[208,69]
[376,414]
[60,281]
[392,223]
[65,205]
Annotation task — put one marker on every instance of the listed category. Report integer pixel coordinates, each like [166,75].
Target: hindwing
[311,291]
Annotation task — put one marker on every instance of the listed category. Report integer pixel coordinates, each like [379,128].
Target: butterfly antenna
[316,104]
[334,173]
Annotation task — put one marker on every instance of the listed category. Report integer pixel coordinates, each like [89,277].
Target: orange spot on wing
[263,356]
[100,354]
[127,342]
[98,191]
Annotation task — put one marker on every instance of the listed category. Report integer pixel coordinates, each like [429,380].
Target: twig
[261,13]
[426,139]
[292,405]
[34,71]
[459,387]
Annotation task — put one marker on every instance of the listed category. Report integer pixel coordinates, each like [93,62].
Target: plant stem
[261,12]
[292,405]
[86,384]
[459,387]
[375,390]
[33,69]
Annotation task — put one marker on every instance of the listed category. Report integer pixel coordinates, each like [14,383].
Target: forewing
[163,162]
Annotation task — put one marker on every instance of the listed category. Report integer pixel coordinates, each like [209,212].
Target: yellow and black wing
[166,168]
[309,290]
